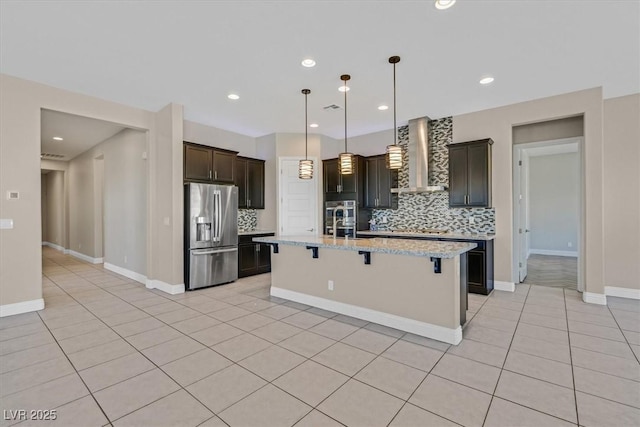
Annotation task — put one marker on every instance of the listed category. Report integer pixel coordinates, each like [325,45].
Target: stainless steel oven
[342,216]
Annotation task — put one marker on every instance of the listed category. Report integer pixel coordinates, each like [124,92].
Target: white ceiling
[78,133]
[148,54]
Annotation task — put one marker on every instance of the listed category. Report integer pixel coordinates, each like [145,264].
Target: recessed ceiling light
[313,125]
[444,4]
[344,89]
[58,138]
[233,96]
[486,80]
[308,62]
[383,107]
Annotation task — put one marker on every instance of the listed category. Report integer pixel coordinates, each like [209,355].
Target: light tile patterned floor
[107,351]
[551,270]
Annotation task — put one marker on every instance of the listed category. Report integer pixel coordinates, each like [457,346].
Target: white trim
[613,291]
[593,298]
[504,286]
[165,287]
[54,246]
[85,257]
[440,333]
[126,273]
[21,307]
[573,254]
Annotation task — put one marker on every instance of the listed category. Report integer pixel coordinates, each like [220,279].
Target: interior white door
[298,200]
[523,218]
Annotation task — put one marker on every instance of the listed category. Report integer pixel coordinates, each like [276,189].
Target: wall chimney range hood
[418,163]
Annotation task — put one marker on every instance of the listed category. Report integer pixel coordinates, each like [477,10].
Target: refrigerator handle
[218,199]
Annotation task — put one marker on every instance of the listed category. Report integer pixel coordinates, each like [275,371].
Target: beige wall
[549,130]
[554,186]
[83,201]
[55,208]
[125,200]
[497,124]
[219,138]
[20,104]
[266,150]
[622,191]
[166,198]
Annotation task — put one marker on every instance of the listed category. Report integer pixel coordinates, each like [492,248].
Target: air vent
[51,156]
[332,107]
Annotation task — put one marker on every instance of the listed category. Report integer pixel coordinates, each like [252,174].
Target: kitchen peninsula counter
[412,234]
[414,286]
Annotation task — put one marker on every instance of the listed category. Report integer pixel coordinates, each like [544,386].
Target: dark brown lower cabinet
[253,258]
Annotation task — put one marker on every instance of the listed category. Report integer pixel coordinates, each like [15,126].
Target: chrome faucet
[335,220]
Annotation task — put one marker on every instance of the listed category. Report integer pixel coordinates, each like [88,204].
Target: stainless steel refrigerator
[211,235]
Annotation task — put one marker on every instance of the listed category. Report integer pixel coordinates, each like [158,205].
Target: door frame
[279,197]
[518,151]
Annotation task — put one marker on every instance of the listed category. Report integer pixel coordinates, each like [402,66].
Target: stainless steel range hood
[418,164]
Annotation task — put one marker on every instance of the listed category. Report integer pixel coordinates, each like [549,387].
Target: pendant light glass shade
[394,157]
[345,163]
[394,152]
[345,160]
[305,167]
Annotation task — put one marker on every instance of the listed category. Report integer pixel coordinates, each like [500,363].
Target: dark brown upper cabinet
[378,183]
[344,187]
[470,174]
[209,164]
[250,182]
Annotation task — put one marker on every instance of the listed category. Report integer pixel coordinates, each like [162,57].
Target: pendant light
[305,167]
[394,151]
[345,160]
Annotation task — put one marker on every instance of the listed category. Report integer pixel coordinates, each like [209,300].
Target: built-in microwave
[342,216]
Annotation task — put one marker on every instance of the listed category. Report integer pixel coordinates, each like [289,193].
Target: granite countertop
[421,248]
[242,232]
[448,235]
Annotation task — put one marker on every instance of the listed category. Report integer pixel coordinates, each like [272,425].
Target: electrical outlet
[79,245]
[570,244]
[125,259]
[472,220]
[384,219]
[330,285]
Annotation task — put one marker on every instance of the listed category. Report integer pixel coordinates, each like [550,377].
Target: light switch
[167,221]
[6,224]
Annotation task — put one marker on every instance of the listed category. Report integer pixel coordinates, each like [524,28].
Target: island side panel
[401,285]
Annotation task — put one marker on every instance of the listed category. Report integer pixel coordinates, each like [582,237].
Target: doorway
[547,214]
[298,207]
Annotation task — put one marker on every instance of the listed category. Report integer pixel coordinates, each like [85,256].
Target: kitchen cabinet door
[378,183]
[255,184]
[197,163]
[372,182]
[263,258]
[331,177]
[241,181]
[246,259]
[224,166]
[470,174]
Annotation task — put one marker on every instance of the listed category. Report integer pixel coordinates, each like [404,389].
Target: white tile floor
[107,351]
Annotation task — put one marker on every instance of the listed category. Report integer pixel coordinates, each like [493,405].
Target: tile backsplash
[247,219]
[431,210]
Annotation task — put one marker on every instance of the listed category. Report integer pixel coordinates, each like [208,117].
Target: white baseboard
[85,257]
[573,254]
[440,333]
[613,291]
[593,298]
[54,246]
[126,273]
[21,307]
[165,287]
[504,286]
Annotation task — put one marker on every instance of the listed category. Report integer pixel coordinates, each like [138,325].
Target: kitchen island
[411,285]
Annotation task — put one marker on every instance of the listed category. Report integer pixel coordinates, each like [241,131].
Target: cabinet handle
[209,173]
[249,202]
[216,175]
[257,247]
